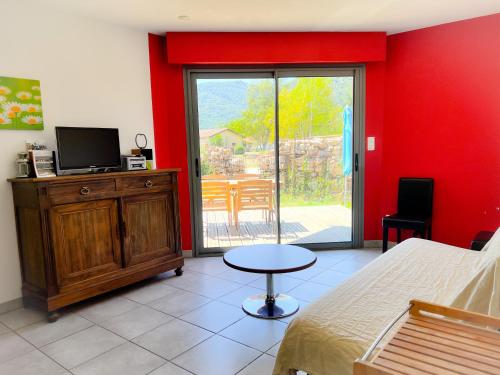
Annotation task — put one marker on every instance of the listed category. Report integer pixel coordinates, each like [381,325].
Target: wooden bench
[437,340]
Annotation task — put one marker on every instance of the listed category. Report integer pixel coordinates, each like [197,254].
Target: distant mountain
[220,101]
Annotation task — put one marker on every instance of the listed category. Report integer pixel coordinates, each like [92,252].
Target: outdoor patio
[305,224]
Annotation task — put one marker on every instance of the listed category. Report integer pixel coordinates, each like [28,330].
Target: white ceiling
[391,16]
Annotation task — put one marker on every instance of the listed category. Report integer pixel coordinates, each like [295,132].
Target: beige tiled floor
[168,325]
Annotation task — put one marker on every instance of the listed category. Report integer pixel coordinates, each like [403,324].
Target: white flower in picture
[4,90]
[2,99]
[12,107]
[32,108]
[37,98]
[32,120]
[35,88]
[24,95]
[4,119]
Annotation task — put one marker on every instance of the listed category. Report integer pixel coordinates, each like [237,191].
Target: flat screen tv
[81,150]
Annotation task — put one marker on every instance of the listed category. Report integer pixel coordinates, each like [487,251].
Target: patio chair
[216,196]
[415,196]
[254,195]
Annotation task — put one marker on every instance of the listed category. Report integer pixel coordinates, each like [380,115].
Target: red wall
[275,48]
[167,91]
[431,108]
[442,120]
[260,48]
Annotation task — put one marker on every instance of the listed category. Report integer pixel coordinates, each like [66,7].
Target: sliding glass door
[234,159]
[315,152]
[274,157]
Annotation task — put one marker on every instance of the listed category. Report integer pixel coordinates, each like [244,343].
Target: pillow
[482,293]
[492,247]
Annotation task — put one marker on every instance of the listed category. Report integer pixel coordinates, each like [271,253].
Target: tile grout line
[150,372]
[248,365]
[65,337]
[22,338]
[107,351]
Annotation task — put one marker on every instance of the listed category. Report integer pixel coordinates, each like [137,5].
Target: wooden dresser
[80,236]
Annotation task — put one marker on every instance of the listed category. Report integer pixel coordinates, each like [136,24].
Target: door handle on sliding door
[197,167]
[356,162]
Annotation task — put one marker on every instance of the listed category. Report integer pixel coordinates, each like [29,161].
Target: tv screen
[80,148]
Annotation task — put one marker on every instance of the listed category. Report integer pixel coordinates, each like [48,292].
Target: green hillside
[220,101]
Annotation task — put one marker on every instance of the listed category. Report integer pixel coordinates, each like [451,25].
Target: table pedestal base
[270,306]
[283,306]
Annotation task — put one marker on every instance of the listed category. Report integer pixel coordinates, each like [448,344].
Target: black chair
[414,209]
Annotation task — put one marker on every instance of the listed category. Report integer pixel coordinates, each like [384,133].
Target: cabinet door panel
[85,239]
[148,227]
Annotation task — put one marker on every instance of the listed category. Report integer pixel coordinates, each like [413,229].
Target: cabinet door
[149,227]
[86,241]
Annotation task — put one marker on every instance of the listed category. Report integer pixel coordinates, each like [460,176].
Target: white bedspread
[330,334]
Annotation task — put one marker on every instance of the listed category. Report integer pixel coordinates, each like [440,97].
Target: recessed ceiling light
[183,18]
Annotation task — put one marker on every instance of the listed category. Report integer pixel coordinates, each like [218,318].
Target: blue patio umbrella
[347,141]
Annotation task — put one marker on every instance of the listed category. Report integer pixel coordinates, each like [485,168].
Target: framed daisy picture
[20,104]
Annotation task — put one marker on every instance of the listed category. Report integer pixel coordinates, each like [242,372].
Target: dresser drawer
[80,190]
[145,182]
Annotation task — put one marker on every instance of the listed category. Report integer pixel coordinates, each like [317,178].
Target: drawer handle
[84,190]
[148,183]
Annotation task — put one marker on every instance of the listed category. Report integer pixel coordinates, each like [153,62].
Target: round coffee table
[270,259]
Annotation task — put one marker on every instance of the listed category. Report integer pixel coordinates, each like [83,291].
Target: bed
[331,333]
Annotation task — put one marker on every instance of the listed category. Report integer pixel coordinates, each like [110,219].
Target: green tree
[306,108]
[257,121]
[309,107]
[216,140]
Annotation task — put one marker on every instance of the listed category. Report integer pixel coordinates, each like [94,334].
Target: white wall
[91,74]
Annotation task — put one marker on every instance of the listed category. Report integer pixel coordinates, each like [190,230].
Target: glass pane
[236,119]
[315,153]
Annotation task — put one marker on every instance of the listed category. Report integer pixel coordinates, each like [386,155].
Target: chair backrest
[213,192]
[254,193]
[415,196]
[215,177]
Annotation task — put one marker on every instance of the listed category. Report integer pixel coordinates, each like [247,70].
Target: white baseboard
[11,305]
[372,244]
[187,253]
[377,244]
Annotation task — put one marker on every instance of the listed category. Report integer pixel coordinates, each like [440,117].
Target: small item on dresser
[42,162]
[147,153]
[141,141]
[34,145]
[22,165]
[133,163]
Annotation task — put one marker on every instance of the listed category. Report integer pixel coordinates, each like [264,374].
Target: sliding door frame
[191,74]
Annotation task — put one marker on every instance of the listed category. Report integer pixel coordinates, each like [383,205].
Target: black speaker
[148,153]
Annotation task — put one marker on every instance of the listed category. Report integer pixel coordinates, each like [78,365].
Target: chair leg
[385,238]
[399,235]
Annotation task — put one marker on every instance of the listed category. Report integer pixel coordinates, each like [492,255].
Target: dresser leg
[52,316]
[179,271]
